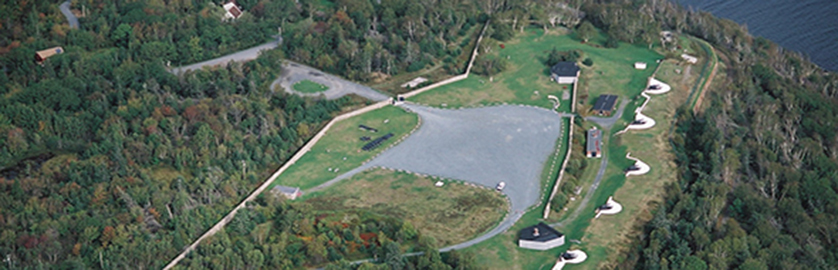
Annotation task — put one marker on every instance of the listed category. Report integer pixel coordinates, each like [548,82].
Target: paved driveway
[293,72]
[240,56]
[71,18]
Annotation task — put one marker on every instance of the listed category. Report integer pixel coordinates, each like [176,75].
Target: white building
[233,11]
[639,65]
[540,237]
[689,58]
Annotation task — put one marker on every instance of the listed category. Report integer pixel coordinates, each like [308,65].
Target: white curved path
[580,256]
[644,168]
[615,208]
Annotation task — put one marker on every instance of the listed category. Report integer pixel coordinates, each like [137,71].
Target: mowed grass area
[612,72]
[306,86]
[451,214]
[340,148]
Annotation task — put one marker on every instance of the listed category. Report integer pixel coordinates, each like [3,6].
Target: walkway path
[240,56]
[293,72]
[71,18]
[606,123]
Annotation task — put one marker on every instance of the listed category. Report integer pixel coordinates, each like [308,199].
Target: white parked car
[500,186]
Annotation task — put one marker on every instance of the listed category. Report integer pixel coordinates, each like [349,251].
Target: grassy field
[612,72]
[458,213]
[340,149]
[306,86]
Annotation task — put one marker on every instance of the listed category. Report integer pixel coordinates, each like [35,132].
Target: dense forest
[109,161]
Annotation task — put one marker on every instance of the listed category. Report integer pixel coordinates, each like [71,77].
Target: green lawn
[612,72]
[309,87]
[458,213]
[340,148]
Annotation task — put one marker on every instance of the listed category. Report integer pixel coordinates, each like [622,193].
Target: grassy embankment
[612,72]
[450,214]
[309,87]
[340,148]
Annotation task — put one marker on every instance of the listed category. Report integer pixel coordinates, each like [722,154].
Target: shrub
[588,62]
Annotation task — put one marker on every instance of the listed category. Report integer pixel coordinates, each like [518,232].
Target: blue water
[806,26]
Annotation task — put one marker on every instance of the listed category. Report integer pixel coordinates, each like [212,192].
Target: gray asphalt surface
[244,55]
[293,72]
[608,122]
[481,145]
[71,18]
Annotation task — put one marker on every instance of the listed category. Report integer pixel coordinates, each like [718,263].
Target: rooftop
[540,232]
[594,140]
[565,69]
[605,103]
[286,190]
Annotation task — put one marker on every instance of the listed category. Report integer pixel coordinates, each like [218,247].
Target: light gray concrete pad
[293,72]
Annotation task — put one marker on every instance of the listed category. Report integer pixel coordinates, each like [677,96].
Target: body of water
[806,26]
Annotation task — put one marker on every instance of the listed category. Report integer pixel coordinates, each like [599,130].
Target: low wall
[561,170]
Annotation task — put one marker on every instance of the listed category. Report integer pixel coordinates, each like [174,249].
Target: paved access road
[293,72]
[71,18]
[479,145]
[606,123]
[241,56]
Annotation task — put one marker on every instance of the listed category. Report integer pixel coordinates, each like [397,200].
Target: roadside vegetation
[308,87]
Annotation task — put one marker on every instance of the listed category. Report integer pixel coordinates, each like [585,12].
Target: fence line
[561,170]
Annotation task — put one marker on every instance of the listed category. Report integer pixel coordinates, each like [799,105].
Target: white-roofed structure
[639,167]
[570,257]
[610,207]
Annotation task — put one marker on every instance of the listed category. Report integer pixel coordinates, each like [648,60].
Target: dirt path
[706,85]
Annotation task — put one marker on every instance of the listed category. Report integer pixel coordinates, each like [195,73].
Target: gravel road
[71,18]
[293,72]
[240,56]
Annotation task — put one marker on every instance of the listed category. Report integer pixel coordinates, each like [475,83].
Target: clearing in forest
[451,214]
[612,71]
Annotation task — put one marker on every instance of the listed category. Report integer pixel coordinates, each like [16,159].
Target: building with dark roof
[605,104]
[540,237]
[289,192]
[593,148]
[565,72]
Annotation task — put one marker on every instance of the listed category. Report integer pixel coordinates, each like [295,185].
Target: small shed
[233,11]
[565,72]
[605,104]
[540,237]
[593,147]
[289,192]
[639,65]
[689,58]
[42,55]
[415,82]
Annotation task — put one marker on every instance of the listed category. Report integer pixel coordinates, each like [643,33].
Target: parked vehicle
[500,186]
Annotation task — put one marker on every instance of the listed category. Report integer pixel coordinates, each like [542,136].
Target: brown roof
[42,55]
[234,10]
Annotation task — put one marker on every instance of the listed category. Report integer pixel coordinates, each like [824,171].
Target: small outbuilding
[42,55]
[565,72]
[232,11]
[639,65]
[289,192]
[593,147]
[604,105]
[689,58]
[540,237]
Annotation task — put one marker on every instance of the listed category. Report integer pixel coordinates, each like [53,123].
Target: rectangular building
[593,148]
[604,105]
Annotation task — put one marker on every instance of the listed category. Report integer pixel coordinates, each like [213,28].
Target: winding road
[241,56]
[71,18]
